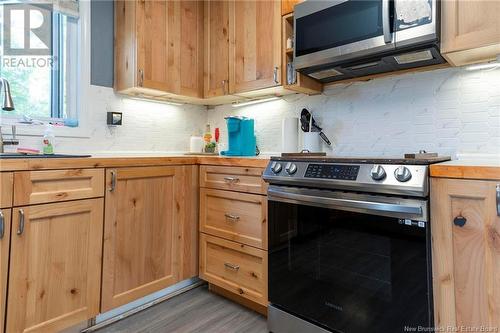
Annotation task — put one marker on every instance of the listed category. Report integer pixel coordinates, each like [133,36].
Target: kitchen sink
[21,155]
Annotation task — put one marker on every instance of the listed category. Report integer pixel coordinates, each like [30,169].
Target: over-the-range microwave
[340,39]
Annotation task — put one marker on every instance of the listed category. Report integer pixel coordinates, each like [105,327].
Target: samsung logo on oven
[334,306]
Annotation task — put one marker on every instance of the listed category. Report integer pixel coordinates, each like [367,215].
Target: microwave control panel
[332,171]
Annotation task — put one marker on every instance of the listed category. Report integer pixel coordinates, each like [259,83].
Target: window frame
[84,90]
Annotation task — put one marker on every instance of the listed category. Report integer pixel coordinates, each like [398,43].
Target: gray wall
[102,21]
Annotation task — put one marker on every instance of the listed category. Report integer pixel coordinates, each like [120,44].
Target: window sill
[38,130]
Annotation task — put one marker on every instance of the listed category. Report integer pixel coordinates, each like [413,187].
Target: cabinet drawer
[235,216]
[6,186]
[238,268]
[241,179]
[34,187]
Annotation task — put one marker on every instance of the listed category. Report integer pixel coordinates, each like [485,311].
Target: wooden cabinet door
[5,215]
[466,253]
[140,232]
[472,27]
[255,45]
[170,46]
[55,265]
[152,44]
[6,188]
[216,67]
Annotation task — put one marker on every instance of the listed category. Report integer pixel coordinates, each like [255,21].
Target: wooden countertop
[114,161]
[467,169]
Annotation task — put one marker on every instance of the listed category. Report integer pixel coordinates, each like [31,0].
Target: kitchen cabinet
[6,185]
[303,83]
[5,222]
[150,231]
[159,45]
[241,179]
[35,187]
[254,45]
[470,31]
[216,68]
[466,255]
[235,267]
[240,217]
[287,6]
[233,233]
[55,265]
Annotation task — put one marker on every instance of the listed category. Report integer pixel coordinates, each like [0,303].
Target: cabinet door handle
[232,217]
[275,75]
[113,181]
[141,77]
[231,266]
[2,224]
[20,226]
[498,199]
[231,180]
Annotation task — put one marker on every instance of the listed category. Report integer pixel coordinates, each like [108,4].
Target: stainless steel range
[349,244]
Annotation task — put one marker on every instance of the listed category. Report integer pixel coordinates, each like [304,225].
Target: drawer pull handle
[2,224]
[232,217]
[113,181]
[231,180]
[231,266]
[20,227]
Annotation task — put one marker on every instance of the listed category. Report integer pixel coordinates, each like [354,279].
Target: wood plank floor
[195,311]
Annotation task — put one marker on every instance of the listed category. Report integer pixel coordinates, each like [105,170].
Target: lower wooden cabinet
[466,253]
[5,219]
[147,244]
[55,265]
[233,266]
[240,217]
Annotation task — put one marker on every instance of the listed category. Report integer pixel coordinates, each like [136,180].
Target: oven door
[348,262]
[331,31]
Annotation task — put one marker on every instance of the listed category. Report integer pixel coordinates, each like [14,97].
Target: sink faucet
[4,142]
[8,105]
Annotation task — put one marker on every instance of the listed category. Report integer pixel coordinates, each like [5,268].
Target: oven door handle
[338,203]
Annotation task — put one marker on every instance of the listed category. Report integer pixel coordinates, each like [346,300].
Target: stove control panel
[332,171]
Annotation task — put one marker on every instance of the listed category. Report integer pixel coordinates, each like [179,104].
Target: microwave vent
[412,57]
[326,73]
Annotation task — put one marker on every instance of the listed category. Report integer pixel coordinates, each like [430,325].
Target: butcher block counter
[128,160]
[481,169]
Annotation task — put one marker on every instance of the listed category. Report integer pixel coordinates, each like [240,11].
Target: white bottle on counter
[48,141]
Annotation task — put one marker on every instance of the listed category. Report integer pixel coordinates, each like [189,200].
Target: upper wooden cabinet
[150,231]
[470,31]
[159,45]
[466,253]
[55,265]
[216,68]
[254,45]
[287,6]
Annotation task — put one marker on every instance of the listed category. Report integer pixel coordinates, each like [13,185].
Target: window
[40,60]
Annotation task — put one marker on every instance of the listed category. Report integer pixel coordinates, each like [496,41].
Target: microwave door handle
[343,204]
[386,22]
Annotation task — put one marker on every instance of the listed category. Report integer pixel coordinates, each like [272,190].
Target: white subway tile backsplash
[450,111]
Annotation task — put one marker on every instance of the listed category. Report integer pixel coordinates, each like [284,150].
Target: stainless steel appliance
[349,245]
[340,39]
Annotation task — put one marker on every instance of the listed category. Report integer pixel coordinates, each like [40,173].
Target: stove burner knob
[378,172]
[402,174]
[291,168]
[276,167]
